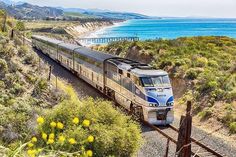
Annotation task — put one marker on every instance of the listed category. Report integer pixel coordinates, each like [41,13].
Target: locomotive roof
[137,68]
[95,55]
[151,72]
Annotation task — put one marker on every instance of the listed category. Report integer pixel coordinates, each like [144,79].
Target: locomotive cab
[157,92]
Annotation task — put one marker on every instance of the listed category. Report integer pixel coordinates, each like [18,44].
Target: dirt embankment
[83,29]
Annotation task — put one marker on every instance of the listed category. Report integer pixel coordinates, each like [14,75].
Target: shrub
[3,67]
[2,85]
[23,50]
[20,26]
[40,86]
[206,113]
[165,64]
[201,62]
[193,73]
[212,85]
[232,127]
[17,89]
[114,134]
[30,59]
[213,63]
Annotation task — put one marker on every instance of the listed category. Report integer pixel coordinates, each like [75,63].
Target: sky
[169,8]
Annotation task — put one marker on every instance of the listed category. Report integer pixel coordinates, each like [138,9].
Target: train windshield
[155,81]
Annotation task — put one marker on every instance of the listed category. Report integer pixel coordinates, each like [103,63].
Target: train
[139,88]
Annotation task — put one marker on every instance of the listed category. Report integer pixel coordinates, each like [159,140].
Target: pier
[105,40]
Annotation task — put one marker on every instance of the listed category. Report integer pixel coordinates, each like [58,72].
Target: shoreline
[94,33]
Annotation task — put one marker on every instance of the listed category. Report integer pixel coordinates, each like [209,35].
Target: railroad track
[198,149]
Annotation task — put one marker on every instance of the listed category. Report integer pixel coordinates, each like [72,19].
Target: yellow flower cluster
[53,124]
[30,144]
[31,152]
[40,120]
[90,139]
[60,125]
[75,120]
[89,153]
[61,139]
[50,138]
[72,141]
[34,139]
[44,136]
[86,123]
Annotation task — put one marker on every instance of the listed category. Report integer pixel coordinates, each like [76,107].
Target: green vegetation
[206,64]
[83,127]
[77,15]
[20,26]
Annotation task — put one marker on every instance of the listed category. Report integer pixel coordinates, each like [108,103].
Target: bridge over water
[105,40]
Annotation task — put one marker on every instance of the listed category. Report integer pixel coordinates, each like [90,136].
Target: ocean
[170,28]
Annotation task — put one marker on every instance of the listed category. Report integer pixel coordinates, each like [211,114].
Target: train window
[120,71]
[127,83]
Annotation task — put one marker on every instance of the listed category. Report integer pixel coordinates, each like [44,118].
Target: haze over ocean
[170,28]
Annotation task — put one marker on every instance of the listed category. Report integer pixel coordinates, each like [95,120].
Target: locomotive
[138,87]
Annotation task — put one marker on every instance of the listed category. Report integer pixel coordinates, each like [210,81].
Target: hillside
[203,70]
[106,14]
[42,117]
[28,11]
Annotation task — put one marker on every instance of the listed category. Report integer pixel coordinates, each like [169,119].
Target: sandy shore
[96,33]
[89,29]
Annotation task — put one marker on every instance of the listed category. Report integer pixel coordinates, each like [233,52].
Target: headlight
[153,105]
[170,103]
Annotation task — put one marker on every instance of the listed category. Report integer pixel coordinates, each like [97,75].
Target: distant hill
[106,13]
[21,10]
[28,11]
[117,15]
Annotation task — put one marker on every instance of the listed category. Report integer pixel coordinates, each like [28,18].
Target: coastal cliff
[83,29]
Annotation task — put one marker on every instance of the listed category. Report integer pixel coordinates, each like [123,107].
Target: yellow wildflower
[60,125]
[30,144]
[40,120]
[50,141]
[44,136]
[34,139]
[51,136]
[86,123]
[61,139]
[76,120]
[72,141]
[89,153]
[53,124]
[90,139]
[31,153]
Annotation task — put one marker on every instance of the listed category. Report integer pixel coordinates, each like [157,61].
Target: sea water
[170,28]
